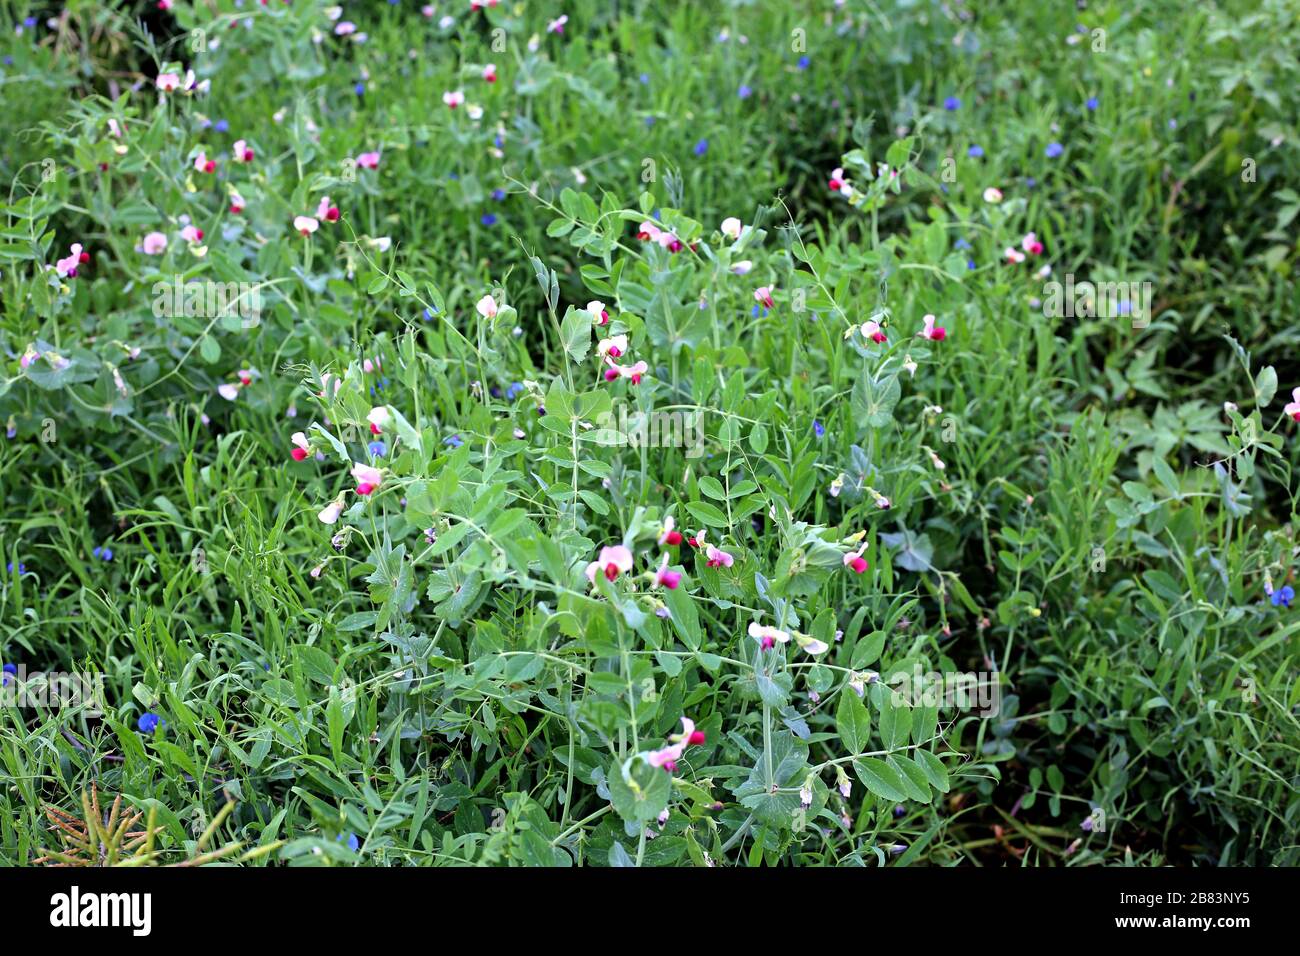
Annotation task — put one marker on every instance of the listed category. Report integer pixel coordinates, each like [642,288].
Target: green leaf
[576,333]
[852,721]
[880,778]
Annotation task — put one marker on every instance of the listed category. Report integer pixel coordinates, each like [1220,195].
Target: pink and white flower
[191,234]
[767,636]
[486,307]
[557,25]
[453,98]
[302,447]
[614,346]
[632,372]
[611,562]
[731,228]
[242,152]
[326,211]
[667,577]
[368,478]
[1013,255]
[490,73]
[599,314]
[1293,407]
[854,560]
[993,195]
[368,160]
[330,513]
[378,417]
[67,266]
[167,82]
[153,244]
[871,330]
[203,164]
[669,536]
[1031,244]
[931,331]
[305,225]
[763,296]
[717,558]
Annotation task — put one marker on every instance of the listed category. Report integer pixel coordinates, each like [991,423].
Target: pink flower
[154,244]
[557,25]
[1031,244]
[731,228]
[767,636]
[689,737]
[368,478]
[763,295]
[236,202]
[327,212]
[378,418]
[811,645]
[633,372]
[648,231]
[167,82]
[871,330]
[228,391]
[330,513]
[368,160]
[305,225]
[67,266]
[666,758]
[598,313]
[301,448]
[671,537]
[1293,409]
[838,181]
[203,164]
[611,562]
[931,331]
[717,558]
[242,153]
[993,195]
[613,346]
[487,307]
[490,73]
[855,561]
[192,234]
[1013,255]
[453,98]
[667,577]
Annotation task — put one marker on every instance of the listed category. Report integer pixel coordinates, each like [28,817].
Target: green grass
[1072,512]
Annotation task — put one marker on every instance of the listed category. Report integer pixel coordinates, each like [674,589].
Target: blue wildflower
[804,62]
[359,89]
[427,315]
[975,152]
[701,147]
[22,568]
[498,194]
[221,126]
[6,671]
[1282,597]
[149,722]
[818,428]
[1053,150]
[104,553]
[1091,103]
[378,449]
[645,79]
[745,91]
[951,104]
[488,219]
[961,243]
[514,389]
[353,843]
[455,441]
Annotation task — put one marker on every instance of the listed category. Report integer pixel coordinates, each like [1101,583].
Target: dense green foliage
[1060,506]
